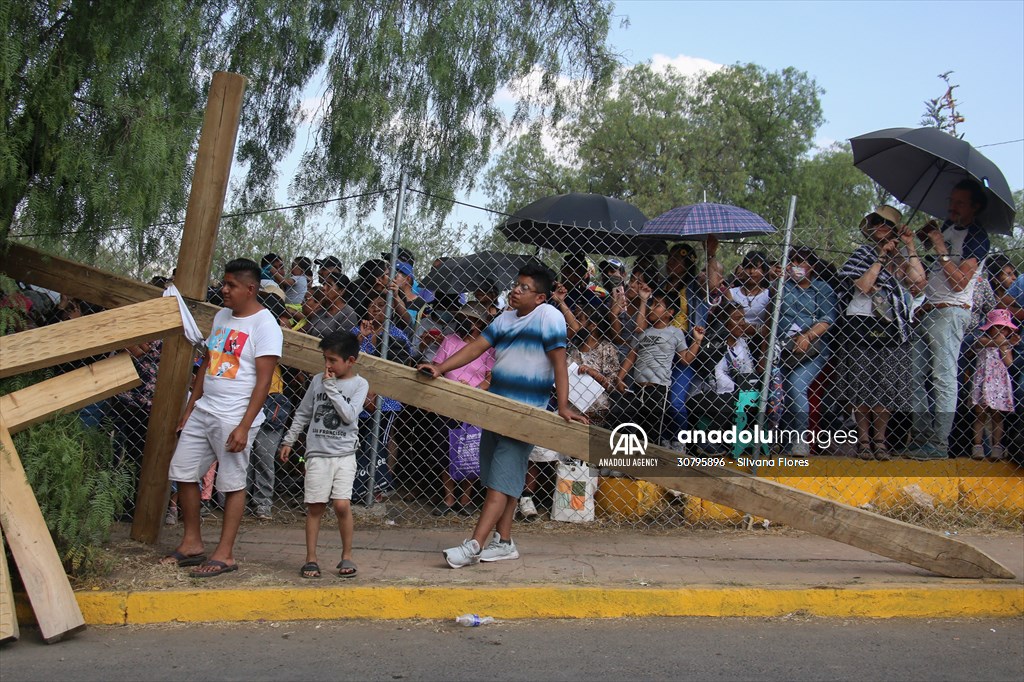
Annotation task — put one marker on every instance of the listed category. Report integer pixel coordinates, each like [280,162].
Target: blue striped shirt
[522,370]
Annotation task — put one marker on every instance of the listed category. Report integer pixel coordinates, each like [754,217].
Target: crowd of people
[910,344]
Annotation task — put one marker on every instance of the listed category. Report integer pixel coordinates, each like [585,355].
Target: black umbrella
[468,273]
[579,223]
[920,166]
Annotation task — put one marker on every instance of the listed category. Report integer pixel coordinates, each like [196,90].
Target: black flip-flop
[219,565]
[185,560]
[347,564]
[310,567]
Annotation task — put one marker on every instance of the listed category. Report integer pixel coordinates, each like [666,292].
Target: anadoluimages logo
[628,440]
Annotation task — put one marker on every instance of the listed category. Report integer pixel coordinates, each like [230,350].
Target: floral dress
[992,386]
[605,359]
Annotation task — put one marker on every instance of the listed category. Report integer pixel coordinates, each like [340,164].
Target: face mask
[798,273]
[612,281]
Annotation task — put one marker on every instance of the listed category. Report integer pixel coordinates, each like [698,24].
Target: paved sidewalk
[620,558]
[563,572]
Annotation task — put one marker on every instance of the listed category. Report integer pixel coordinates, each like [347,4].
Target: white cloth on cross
[191,329]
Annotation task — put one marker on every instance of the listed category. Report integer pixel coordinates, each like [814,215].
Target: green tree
[741,135]
[832,197]
[102,101]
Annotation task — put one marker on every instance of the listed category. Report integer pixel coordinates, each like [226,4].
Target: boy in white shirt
[330,409]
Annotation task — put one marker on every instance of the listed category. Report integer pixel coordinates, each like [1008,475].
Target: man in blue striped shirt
[529,343]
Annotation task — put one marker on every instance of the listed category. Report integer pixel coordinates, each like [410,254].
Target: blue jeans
[797,381]
[261,467]
[936,351]
[677,412]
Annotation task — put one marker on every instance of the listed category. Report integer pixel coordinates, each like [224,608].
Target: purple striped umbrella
[697,221]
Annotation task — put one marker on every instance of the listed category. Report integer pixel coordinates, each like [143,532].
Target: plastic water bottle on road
[471,620]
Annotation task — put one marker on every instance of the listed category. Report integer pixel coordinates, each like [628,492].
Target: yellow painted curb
[392,603]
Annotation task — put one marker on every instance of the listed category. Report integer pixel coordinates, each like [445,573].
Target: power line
[462,203]
[237,214]
[996,144]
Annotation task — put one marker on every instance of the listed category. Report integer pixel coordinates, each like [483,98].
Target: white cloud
[684,64]
[529,87]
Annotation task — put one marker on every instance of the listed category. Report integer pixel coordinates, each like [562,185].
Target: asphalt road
[791,648]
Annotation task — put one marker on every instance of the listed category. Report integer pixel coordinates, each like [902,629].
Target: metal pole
[385,341]
[777,307]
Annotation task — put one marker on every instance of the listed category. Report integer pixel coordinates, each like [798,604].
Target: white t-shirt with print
[755,308]
[232,347]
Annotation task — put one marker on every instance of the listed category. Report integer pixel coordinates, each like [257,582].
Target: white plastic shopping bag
[574,493]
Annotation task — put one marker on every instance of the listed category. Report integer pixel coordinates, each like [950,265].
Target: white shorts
[329,478]
[203,441]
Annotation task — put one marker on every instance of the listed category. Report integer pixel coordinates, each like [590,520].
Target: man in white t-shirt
[960,247]
[223,415]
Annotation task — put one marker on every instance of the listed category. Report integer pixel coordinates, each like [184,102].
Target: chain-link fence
[879,380]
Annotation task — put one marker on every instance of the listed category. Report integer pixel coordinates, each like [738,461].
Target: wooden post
[69,391]
[205,205]
[8,617]
[823,517]
[32,546]
[89,335]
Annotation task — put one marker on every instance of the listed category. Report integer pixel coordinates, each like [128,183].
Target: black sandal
[311,568]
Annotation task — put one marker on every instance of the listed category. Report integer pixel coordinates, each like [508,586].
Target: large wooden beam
[827,518]
[105,289]
[205,205]
[39,565]
[87,336]
[872,532]
[69,391]
[8,616]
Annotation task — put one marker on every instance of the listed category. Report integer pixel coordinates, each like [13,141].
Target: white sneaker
[465,554]
[496,550]
[527,509]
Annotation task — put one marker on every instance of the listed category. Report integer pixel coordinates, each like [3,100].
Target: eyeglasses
[521,287]
[874,220]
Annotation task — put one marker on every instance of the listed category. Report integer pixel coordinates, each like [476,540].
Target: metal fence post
[396,236]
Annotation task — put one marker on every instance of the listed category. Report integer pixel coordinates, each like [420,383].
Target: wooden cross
[32,547]
[830,519]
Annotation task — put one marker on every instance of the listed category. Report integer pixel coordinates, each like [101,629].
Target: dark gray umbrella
[468,273]
[579,223]
[920,166]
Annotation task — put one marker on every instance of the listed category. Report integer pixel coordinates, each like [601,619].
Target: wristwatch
[944,258]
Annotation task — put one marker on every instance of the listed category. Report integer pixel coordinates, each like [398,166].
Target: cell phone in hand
[426,370]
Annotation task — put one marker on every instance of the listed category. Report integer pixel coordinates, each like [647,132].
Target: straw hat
[886,213]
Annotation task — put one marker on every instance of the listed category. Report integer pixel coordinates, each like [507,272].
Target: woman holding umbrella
[808,310]
[874,327]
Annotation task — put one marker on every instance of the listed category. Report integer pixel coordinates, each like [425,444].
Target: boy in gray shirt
[330,409]
[651,360]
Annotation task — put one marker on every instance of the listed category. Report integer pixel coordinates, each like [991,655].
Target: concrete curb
[979,600]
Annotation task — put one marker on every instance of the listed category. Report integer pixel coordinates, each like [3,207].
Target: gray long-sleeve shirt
[331,410]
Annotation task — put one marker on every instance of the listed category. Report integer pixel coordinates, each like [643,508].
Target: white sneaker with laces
[527,509]
[465,554]
[496,550]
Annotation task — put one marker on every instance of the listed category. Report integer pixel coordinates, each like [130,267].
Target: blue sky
[877,61]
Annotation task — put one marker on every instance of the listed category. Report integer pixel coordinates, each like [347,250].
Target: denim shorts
[503,463]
